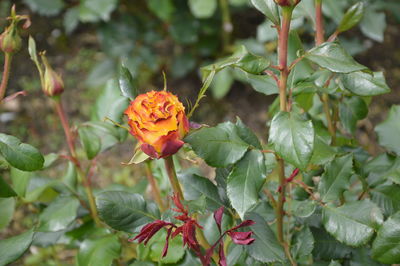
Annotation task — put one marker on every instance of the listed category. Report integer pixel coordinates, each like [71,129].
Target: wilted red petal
[243,224]
[149,150]
[165,249]
[241,238]
[218,217]
[171,147]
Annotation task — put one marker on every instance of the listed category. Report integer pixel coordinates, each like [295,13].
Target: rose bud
[53,84]
[158,120]
[287,2]
[10,41]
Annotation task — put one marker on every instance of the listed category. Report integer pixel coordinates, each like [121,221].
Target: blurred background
[88,40]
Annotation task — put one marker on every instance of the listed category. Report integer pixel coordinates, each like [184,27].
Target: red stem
[6,75]
[319,21]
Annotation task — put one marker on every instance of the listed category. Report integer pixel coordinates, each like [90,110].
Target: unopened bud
[10,41]
[53,84]
[287,2]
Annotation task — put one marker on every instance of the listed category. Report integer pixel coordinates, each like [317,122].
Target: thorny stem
[154,187]
[226,24]
[319,39]
[6,75]
[284,73]
[71,145]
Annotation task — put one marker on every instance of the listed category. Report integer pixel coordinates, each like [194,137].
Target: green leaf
[45,7]
[336,177]
[292,138]
[89,141]
[219,146]
[362,257]
[175,250]
[7,207]
[352,17]
[365,84]
[124,211]
[353,223]
[13,248]
[302,209]
[222,83]
[102,251]
[269,8]
[202,8]
[71,19]
[260,83]
[389,130]
[386,246]
[303,243]
[196,186]
[110,103]
[387,197]
[245,181]
[266,247]
[70,177]
[352,109]
[373,24]
[5,190]
[138,157]
[328,247]
[247,135]
[127,84]
[95,10]
[162,8]
[332,56]
[20,181]
[20,155]
[59,214]
[323,152]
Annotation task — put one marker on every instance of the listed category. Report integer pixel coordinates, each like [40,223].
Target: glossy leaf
[386,246]
[222,83]
[353,223]
[202,8]
[95,10]
[387,197]
[127,84]
[389,130]
[20,155]
[90,141]
[247,135]
[332,56]
[365,84]
[13,248]
[245,181]
[102,251]
[124,211]
[269,9]
[20,181]
[335,179]
[352,17]
[327,247]
[303,243]
[260,83]
[219,146]
[6,190]
[59,214]
[352,109]
[266,247]
[292,138]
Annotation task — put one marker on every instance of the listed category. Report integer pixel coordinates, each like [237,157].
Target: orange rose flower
[157,119]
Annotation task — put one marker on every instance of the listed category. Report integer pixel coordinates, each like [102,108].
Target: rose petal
[149,150]
[171,147]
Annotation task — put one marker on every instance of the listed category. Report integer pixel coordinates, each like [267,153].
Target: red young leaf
[241,238]
[222,258]
[218,217]
[243,224]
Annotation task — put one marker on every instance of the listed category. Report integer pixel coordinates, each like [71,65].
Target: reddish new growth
[188,232]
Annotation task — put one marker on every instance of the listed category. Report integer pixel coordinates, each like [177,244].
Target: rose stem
[6,75]
[319,39]
[226,24]
[284,73]
[71,145]
[176,187]
[154,187]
